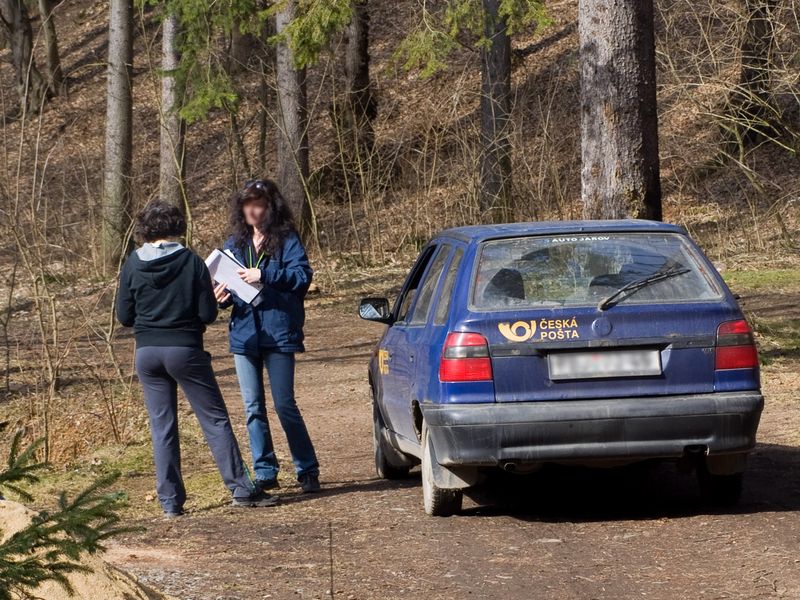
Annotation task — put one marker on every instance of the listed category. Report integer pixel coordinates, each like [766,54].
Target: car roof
[478,233]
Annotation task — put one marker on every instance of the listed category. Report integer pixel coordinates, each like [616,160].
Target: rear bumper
[588,430]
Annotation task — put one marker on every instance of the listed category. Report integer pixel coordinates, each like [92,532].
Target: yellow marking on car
[543,329]
[383,361]
[521,331]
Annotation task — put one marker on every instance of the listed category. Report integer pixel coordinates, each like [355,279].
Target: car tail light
[736,348]
[465,358]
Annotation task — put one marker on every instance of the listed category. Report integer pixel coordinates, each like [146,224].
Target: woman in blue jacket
[267,333]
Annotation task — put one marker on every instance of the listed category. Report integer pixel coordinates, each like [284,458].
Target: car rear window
[584,269]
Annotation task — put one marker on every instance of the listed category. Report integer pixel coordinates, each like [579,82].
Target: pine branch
[49,548]
[20,468]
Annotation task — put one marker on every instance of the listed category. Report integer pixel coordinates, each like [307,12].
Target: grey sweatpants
[161,370]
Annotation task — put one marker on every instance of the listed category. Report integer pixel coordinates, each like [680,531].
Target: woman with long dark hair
[266,333]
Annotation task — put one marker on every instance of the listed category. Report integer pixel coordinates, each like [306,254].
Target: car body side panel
[398,346]
[403,348]
[428,388]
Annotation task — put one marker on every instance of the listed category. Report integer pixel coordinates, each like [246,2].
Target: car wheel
[438,502]
[720,490]
[384,466]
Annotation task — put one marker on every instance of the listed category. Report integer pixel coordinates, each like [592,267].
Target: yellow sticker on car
[541,329]
[383,361]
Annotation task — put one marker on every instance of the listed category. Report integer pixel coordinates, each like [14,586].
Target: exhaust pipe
[692,456]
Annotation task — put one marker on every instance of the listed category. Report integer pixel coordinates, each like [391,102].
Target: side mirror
[375,309]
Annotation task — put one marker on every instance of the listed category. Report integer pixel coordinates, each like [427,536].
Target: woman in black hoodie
[166,294]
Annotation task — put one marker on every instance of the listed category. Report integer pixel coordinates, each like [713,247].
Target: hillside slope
[424,176]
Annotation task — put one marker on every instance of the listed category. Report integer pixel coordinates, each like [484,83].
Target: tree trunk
[495,162]
[56,75]
[241,164]
[753,109]
[619,118]
[240,48]
[355,121]
[31,86]
[172,125]
[117,199]
[265,103]
[292,145]
[266,92]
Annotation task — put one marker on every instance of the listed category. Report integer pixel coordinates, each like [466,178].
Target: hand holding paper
[250,275]
[221,293]
[225,269]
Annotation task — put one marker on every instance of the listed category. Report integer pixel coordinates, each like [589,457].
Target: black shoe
[257,499]
[310,483]
[173,514]
[267,484]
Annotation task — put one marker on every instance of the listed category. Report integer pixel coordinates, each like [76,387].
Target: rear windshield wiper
[634,286]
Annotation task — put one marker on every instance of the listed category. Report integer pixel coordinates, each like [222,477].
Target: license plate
[605,363]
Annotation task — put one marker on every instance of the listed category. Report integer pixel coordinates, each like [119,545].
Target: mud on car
[589,342]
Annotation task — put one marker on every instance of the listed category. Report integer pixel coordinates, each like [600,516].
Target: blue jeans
[280,369]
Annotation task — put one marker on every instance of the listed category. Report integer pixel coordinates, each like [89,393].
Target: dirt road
[562,533]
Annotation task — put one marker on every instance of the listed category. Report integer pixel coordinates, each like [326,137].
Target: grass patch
[778,338]
[757,280]
[133,462]
[204,485]
[204,489]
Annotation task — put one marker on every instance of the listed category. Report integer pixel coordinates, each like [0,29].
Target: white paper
[229,253]
[223,269]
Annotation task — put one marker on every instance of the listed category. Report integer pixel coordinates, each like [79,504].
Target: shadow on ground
[643,491]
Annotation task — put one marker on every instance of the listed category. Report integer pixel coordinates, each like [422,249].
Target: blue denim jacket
[276,322]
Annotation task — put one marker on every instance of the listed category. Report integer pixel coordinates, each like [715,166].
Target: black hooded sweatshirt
[168,300]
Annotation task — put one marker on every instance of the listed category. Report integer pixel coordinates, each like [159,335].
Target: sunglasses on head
[255,183]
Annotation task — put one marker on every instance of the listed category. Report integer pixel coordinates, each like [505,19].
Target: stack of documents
[224,269]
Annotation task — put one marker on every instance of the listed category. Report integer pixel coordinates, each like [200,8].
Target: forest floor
[562,533]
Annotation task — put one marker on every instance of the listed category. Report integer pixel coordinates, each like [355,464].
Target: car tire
[720,490]
[438,502]
[384,466]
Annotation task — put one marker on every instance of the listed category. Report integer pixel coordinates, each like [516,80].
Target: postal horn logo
[520,331]
[542,329]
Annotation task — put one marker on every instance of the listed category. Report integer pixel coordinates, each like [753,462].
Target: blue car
[586,342]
